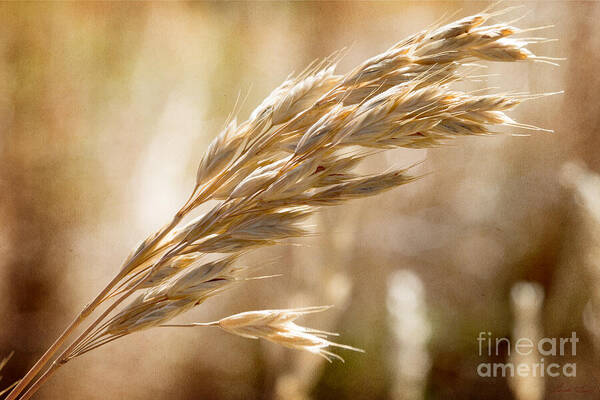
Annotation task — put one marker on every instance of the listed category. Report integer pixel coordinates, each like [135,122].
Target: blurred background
[105,110]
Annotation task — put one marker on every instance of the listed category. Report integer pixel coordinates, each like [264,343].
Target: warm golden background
[105,109]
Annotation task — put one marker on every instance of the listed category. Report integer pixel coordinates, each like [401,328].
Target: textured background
[105,109]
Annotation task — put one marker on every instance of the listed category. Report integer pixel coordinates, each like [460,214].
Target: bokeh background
[105,109]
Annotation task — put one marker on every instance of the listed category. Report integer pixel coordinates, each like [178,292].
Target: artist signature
[577,389]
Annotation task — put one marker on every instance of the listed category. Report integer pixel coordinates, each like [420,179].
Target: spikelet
[277,326]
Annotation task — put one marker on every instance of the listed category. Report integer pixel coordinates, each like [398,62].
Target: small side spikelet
[277,326]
